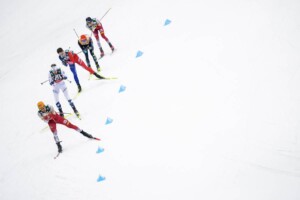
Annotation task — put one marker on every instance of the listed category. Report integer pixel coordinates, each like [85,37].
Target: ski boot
[79,88]
[61,112]
[111,47]
[99,76]
[59,147]
[98,67]
[101,53]
[86,134]
[77,113]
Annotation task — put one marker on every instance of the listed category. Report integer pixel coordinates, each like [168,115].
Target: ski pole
[75,32]
[44,82]
[101,18]
[104,14]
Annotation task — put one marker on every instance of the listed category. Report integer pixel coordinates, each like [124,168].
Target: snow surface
[210,111]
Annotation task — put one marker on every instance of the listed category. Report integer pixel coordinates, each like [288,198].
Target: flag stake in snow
[100,150]
[139,54]
[100,178]
[122,88]
[109,121]
[167,22]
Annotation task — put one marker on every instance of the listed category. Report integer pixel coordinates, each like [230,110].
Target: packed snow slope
[211,109]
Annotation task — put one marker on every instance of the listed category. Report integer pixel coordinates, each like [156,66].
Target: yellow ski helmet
[40,105]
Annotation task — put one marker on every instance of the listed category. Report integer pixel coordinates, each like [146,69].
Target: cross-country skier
[68,57]
[86,44]
[56,79]
[48,115]
[95,25]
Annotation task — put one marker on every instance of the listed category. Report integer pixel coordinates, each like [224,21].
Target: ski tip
[96,138]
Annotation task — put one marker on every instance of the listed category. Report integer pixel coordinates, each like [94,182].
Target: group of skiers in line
[57,76]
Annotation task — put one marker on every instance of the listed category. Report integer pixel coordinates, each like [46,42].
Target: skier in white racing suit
[56,79]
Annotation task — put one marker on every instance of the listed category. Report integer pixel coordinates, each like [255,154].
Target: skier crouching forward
[95,26]
[48,115]
[56,79]
[68,57]
[85,42]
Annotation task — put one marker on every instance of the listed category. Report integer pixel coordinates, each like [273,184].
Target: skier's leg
[106,39]
[65,91]
[56,97]
[52,126]
[98,42]
[73,107]
[95,59]
[87,58]
[95,32]
[73,70]
[66,123]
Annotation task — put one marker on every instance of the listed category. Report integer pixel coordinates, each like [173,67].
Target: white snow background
[211,109]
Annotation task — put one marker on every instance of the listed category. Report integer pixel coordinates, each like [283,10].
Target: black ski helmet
[88,19]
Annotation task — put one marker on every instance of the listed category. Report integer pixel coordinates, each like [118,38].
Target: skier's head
[88,19]
[60,51]
[40,105]
[54,67]
[83,39]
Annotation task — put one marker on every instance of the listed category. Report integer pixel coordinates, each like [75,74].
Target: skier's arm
[51,111]
[63,61]
[42,117]
[89,27]
[63,75]
[83,47]
[98,22]
[80,45]
[51,81]
[91,46]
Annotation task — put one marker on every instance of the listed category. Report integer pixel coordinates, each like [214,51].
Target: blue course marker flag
[167,22]
[100,150]
[100,178]
[122,88]
[109,121]
[139,54]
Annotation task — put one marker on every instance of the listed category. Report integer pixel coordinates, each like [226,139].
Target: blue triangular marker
[109,120]
[122,88]
[167,22]
[100,150]
[100,178]
[138,54]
